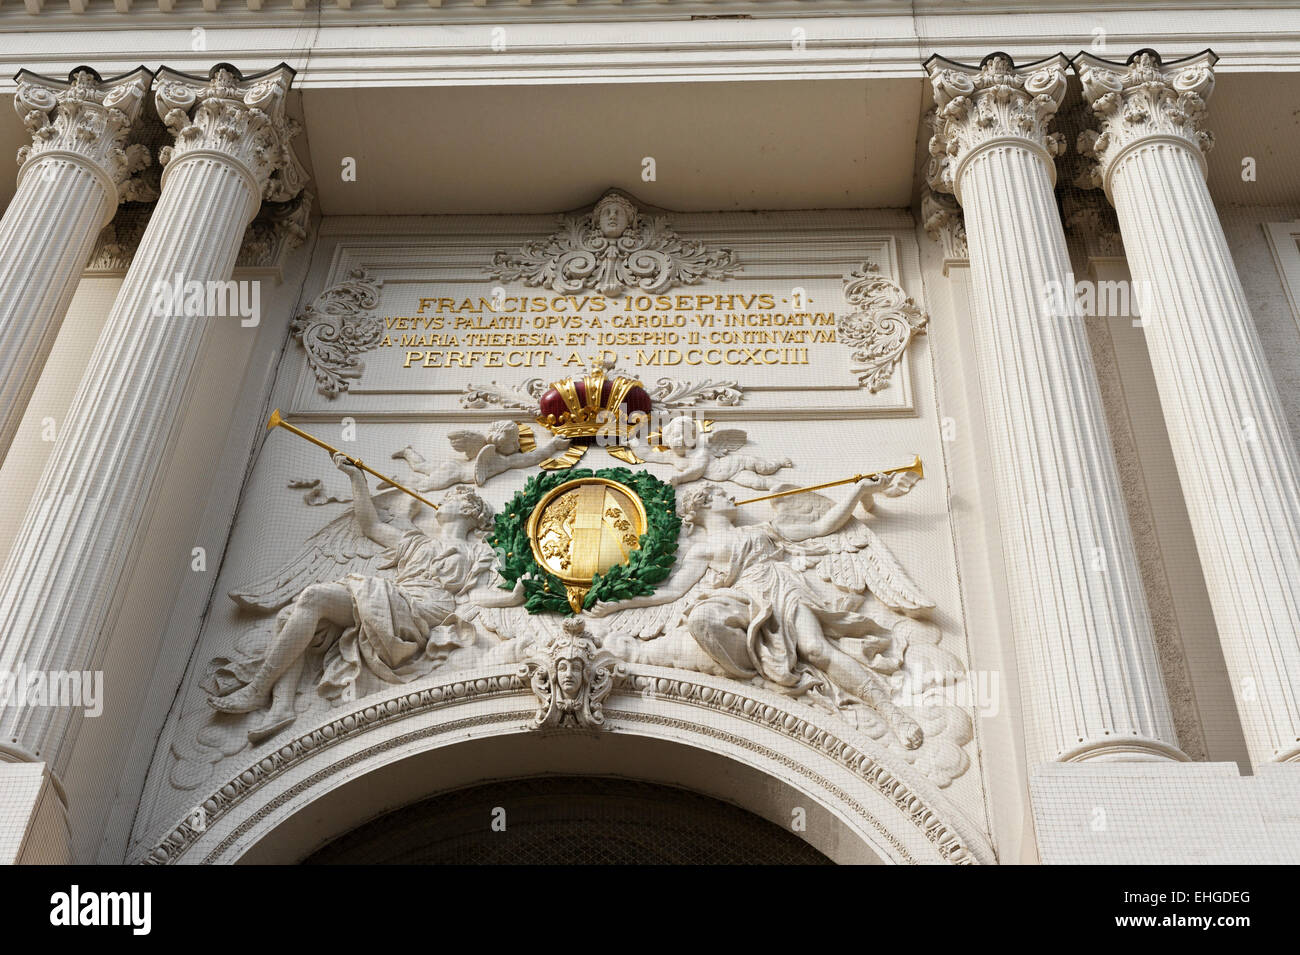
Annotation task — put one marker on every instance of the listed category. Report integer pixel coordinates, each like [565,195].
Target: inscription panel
[434,316]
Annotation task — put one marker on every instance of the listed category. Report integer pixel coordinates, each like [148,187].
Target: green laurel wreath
[646,567]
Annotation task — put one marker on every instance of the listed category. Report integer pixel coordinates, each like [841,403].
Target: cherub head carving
[504,436]
[613,215]
[681,434]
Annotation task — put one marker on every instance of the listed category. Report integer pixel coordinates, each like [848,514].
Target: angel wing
[852,558]
[723,442]
[647,623]
[468,443]
[511,623]
[336,550]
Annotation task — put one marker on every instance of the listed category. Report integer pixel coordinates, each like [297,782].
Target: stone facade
[1030,343]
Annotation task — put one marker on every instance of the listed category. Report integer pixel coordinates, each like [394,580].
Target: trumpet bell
[275,420]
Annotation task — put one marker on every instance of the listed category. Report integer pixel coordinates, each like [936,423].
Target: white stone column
[1236,461]
[1089,677]
[58,591]
[70,180]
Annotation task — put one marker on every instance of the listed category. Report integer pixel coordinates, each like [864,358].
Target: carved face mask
[613,220]
[568,673]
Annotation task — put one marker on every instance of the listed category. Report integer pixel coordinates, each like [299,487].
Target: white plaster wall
[272,521]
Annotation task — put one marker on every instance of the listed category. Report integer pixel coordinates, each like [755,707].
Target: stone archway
[771,756]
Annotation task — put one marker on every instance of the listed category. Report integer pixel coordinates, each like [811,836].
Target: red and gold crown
[591,405]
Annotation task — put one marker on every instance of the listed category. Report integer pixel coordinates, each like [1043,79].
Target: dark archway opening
[569,820]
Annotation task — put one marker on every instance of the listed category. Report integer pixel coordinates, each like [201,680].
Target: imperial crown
[594,404]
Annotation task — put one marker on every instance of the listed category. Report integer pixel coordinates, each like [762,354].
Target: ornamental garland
[647,566]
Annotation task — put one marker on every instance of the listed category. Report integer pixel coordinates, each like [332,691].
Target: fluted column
[1236,460]
[85,522]
[70,180]
[1089,676]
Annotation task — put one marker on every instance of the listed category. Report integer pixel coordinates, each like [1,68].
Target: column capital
[942,218]
[1140,101]
[990,104]
[87,119]
[1089,218]
[240,118]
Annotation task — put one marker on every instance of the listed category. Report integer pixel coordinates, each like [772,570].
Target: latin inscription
[642,331]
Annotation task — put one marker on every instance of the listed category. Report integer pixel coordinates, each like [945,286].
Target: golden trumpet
[914,466]
[277,421]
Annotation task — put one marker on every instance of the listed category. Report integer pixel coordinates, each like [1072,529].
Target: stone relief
[571,676]
[337,327]
[878,332]
[667,393]
[808,602]
[694,452]
[613,249]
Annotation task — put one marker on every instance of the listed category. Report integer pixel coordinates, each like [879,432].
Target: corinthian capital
[87,118]
[943,222]
[995,102]
[241,118]
[1140,100]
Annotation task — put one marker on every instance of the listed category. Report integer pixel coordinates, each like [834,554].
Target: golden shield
[583,528]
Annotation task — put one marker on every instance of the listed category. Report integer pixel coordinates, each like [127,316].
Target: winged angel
[397,627]
[789,601]
[694,453]
[483,456]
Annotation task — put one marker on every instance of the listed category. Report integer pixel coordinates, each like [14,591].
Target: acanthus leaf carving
[941,216]
[337,327]
[668,394]
[89,118]
[613,249]
[278,229]
[884,322]
[244,119]
[995,101]
[522,397]
[1141,99]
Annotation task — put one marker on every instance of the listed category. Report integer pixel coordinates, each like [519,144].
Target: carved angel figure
[486,455]
[756,600]
[694,453]
[396,627]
